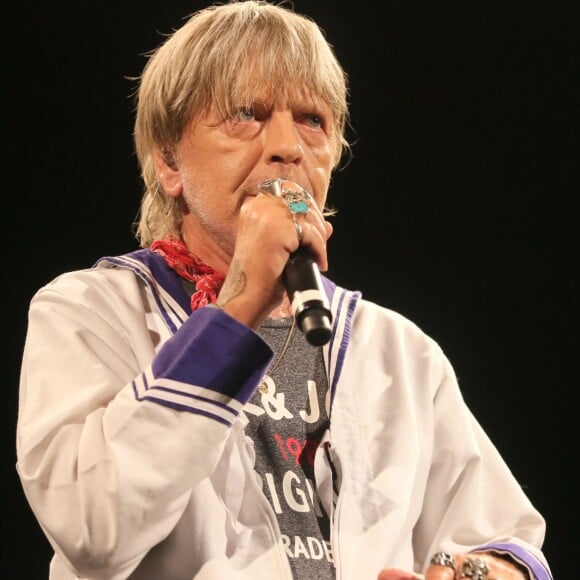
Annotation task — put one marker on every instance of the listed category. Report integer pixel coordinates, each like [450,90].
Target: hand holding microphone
[302,278]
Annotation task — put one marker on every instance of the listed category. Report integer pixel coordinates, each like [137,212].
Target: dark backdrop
[458,208]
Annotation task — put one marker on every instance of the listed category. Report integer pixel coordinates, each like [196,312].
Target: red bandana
[207,281]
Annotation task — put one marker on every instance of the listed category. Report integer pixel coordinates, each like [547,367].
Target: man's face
[220,163]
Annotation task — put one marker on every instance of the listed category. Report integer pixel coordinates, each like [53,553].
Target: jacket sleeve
[472,500]
[112,434]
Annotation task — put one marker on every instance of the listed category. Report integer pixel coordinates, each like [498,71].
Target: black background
[459,208]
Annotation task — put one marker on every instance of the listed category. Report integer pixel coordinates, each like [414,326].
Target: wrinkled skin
[216,171]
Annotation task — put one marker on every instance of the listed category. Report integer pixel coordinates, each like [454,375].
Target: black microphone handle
[309,302]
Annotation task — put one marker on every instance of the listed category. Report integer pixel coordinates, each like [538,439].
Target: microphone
[309,302]
[301,275]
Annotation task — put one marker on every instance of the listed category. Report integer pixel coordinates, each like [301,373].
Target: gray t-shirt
[288,415]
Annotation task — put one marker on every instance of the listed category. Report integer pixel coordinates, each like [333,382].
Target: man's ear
[168,173]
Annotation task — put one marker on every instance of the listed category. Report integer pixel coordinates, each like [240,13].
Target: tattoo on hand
[234,284]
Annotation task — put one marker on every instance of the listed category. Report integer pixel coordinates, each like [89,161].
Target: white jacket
[132,453]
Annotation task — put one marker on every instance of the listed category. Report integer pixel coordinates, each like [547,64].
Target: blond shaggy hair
[220,57]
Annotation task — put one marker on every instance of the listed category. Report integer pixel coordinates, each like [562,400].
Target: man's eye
[313,120]
[245,114]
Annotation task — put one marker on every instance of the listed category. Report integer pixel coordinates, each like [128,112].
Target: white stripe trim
[337,341]
[187,395]
[172,308]
[197,391]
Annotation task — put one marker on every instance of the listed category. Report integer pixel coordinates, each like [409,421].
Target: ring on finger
[296,198]
[443,559]
[297,201]
[474,568]
[298,227]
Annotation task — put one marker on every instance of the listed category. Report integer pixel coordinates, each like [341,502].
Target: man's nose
[282,139]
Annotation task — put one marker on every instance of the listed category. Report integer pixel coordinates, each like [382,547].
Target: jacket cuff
[519,556]
[211,366]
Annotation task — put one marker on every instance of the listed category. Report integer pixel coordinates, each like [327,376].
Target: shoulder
[368,311]
[386,347]
[99,284]
[365,326]
[383,336]
[374,319]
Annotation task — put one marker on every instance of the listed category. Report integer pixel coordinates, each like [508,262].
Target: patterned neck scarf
[208,281]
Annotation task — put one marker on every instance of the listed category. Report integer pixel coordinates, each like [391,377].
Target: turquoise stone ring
[298,206]
[295,196]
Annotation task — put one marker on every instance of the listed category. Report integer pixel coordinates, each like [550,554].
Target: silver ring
[298,227]
[272,186]
[294,196]
[474,568]
[297,201]
[443,559]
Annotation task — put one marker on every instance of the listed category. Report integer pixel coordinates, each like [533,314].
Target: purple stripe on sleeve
[178,407]
[214,351]
[523,557]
